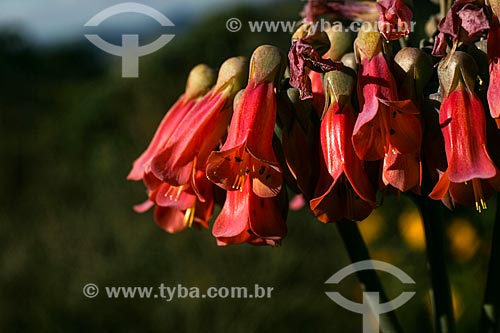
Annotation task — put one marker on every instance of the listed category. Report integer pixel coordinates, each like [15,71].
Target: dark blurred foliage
[70,128]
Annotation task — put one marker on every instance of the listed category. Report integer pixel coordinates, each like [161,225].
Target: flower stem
[357,251]
[491,304]
[440,285]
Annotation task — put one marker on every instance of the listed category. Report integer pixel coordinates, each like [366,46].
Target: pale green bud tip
[457,68]
[341,43]
[495,7]
[415,62]
[369,41]
[200,80]
[339,85]
[233,71]
[267,65]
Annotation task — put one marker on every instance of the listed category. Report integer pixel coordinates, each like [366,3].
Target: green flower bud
[268,64]
[457,68]
[233,71]
[200,80]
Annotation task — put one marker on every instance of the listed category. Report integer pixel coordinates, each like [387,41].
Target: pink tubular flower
[463,124]
[248,150]
[176,207]
[395,19]
[384,124]
[199,133]
[249,218]
[345,192]
[199,82]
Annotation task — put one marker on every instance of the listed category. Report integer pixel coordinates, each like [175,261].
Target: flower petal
[176,113]
[463,124]
[170,219]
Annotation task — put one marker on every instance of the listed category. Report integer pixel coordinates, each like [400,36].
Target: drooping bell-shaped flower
[413,69]
[395,19]
[463,124]
[199,133]
[177,207]
[248,150]
[465,23]
[494,62]
[344,190]
[385,126]
[246,217]
[200,80]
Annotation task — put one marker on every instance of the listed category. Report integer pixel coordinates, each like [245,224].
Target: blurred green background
[70,128]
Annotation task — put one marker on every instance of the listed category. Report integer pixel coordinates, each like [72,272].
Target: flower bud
[233,71]
[414,68]
[200,80]
[340,41]
[339,86]
[267,64]
[495,7]
[369,42]
[457,68]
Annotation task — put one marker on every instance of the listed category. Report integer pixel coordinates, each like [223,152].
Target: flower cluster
[352,116]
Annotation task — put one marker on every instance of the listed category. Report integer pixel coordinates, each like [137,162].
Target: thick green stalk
[357,251]
[442,305]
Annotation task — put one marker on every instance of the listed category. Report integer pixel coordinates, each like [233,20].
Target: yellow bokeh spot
[464,240]
[371,227]
[412,229]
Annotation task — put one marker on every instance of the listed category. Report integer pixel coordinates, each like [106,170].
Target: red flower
[194,138]
[345,191]
[177,207]
[199,82]
[463,124]
[246,217]
[402,171]
[248,151]
[384,123]
[494,60]
[395,19]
